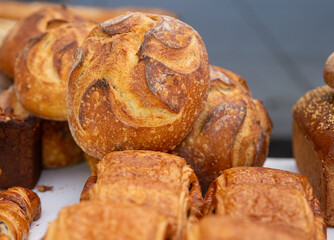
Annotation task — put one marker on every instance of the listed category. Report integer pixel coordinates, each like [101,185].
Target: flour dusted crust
[265,195]
[313,137]
[138,82]
[31,26]
[160,181]
[232,130]
[107,220]
[43,65]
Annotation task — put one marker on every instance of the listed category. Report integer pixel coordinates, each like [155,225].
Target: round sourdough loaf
[232,130]
[43,65]
[139,82]
[33,25]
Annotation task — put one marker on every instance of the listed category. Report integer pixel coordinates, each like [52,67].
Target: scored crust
[148,91]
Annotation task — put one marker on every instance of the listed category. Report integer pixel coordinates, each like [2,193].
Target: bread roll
[232,130]
[329,71]
[32,26]
[160,181]
[219,227]
[91,220]
[43,65]
[313,139]
[272,196]
[139,82]
[19,207]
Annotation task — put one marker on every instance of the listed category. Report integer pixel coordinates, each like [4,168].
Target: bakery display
[265,195]
[159,181]
[19,207]
[31,26]
[220,227]
[92,220]
[43,64]
[20,147]
[150,87]
[312,144]
[232,130]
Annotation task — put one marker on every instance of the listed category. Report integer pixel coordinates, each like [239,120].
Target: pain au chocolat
[232,130]
[139,82]
[43,65]
[276,197]
[159,181]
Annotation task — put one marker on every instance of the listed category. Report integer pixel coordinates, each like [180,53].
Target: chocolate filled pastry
[313,138]
[31,26]
[272,196]
[159,181]
[147,93]
[220,227]
[232,130]
[92,220]
[20,147]
[58,146]
[43,65]
[19,207]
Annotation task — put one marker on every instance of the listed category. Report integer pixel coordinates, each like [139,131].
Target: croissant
[92,220]
[266,195]
[160,181]
[18,208]
[219,227]
[232,130]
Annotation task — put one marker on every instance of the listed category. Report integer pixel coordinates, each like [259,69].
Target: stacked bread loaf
[313,139]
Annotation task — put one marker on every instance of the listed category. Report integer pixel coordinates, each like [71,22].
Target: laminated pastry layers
[277,197]
[159,181]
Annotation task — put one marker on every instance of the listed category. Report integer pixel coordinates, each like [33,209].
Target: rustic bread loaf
[160,181]
[43,65]
[232,130]
[139,82]
[277,197]
[31,26]
[91,220]
[313,137]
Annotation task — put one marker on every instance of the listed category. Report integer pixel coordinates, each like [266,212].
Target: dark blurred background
[279,47]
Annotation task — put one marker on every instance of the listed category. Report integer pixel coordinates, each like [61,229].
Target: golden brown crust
[313,126]
[19,10]
[267,195]
[58,146]
[32,26]
[18,208]
[219,227]
[91,220]
[150,87]
[329,71]
[43,65]
[160,181]
[232,130]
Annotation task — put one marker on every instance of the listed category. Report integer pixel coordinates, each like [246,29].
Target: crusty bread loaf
[32,26]
[91,220]
[43,65]
[232,130]
[19,10]
[220,227]
[313,137]
[160,181]
[139,82]
[265,195]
